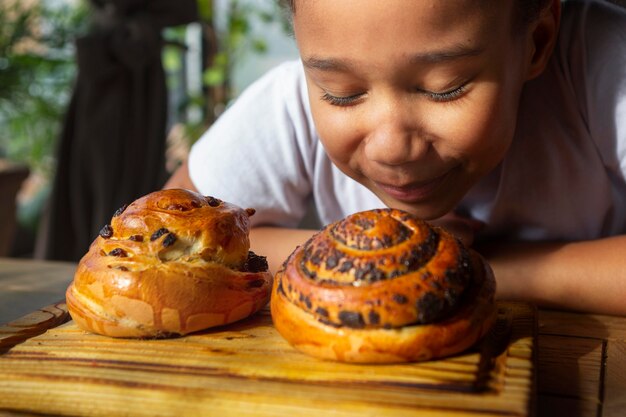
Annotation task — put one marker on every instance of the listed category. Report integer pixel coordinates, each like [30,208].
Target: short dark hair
[527,11]
[288,4]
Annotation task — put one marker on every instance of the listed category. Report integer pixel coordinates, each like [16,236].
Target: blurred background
[89,87]
[100,101]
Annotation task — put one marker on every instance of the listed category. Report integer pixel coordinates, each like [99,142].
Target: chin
[422,210]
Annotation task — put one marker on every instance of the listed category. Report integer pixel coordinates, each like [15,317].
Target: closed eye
[342,101]
[444,96]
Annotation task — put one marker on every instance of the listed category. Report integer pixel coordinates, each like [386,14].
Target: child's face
[417,100]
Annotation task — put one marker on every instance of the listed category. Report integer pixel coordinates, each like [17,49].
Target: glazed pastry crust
[171,263]
[407,291]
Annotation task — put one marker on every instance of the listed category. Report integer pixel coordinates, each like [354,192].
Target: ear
[542,37]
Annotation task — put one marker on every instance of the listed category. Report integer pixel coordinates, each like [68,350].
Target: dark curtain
[112,146]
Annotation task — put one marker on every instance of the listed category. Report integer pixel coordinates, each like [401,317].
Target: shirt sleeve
[598,61]
[257,153]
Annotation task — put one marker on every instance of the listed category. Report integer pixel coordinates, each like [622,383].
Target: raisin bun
[382,286]
[171,263]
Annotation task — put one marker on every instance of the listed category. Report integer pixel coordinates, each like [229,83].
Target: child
[503,121]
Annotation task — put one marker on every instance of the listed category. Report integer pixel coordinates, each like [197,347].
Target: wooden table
[27,285]
[581,357]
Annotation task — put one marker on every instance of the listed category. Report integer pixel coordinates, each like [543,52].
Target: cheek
[479,130]
[494,114]
[498,126]
[338,131]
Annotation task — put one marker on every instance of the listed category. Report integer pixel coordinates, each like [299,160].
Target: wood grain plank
[581,325]
[570,366]
[615,380]
[32,325]
[248,369]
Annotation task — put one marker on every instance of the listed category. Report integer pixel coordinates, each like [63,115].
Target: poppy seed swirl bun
[382,286]
[171,263]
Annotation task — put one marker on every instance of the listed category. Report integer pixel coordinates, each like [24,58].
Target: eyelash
[341,101]
[438,97]
[446,95]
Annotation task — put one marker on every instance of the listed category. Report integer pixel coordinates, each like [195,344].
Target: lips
[412,192]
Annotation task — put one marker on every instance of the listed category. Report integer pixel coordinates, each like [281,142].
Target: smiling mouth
[413,192]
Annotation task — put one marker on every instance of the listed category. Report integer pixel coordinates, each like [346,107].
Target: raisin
[107,231]
[158,234]
[256,263]
[169,240]
[374,317]
[136,238]
[351,319]
[213,202]
[331,262]
[119,252]
[321,311]
[400,298]
[316,258]
[377,275]
[364,223]
[429,308]
[346,266]
[306,300]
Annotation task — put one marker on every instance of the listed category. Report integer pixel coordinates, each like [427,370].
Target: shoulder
[592,15]
[286,77]
[267,126]
[273,105]
[595,31]
[591,57]
[281,92]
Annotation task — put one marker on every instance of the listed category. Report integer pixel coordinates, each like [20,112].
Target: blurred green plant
[36,72]
[229,35]
[238,37]
[38,68]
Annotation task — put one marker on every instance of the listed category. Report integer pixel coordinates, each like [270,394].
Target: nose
[395,137]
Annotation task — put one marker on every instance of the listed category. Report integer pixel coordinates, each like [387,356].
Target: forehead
[366,26]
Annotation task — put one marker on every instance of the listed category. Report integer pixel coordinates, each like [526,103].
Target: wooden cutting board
[48,365]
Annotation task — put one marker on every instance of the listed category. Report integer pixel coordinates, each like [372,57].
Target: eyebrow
[449,54]
[430,57]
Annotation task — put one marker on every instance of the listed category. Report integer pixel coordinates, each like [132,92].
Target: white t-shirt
[562,179]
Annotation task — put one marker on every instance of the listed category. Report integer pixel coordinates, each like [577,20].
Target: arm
[585,276]
[180,179]
[277,243]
